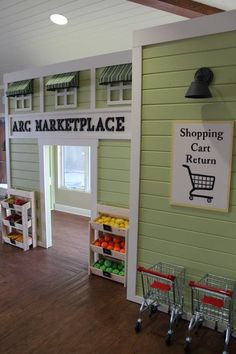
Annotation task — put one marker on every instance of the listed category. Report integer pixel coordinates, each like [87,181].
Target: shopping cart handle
[159,274]
[194,284]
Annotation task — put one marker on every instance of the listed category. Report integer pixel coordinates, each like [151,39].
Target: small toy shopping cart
[212,300]
[162,285]
[200,183]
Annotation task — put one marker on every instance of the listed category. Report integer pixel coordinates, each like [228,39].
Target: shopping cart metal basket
[200,183]
[212,300]
[162,284]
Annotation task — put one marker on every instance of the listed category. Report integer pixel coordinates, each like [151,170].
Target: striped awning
[62,81]
[19,88]
[116,73]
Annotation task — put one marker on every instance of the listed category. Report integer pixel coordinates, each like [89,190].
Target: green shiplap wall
[24,159]
[202,241]
[114,172]
[101,93]
[83,94]
[35,100]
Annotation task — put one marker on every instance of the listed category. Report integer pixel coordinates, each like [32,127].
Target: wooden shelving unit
[105,260]
[18,219]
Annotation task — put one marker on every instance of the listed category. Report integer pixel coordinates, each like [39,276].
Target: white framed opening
[46,180]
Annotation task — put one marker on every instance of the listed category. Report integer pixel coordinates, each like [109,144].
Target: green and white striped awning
[19,88]
[62,81]
[116,73]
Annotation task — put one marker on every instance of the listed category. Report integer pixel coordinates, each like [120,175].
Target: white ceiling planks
[28,39]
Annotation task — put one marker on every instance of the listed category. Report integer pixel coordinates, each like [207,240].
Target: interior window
[74,168]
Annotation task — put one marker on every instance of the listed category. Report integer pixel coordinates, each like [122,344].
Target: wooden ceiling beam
[185,8]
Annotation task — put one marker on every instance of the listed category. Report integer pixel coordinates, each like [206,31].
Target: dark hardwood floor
[49,305]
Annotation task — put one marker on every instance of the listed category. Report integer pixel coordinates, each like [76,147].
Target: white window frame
[120,87]
[65,93]
[21,100]
[60,171]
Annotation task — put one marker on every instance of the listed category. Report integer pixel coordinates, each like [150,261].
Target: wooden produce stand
[18,219]
[109,243]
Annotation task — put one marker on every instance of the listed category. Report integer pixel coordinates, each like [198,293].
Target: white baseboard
[72,210]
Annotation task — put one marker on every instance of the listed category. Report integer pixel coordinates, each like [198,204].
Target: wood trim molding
[185,8]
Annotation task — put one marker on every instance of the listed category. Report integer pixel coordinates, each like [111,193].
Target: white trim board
[203,26]
[72,210]
[73,65]
[200,26]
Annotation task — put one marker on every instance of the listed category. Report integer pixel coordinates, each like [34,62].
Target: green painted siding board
[24,157]
[25,184]
[21,148]
[27,166]
[23,141]
[153,173]
[161,189]
[29,175]
[113,186]
[156,143]
[188,222]
[113,199]
[225,75]
[190,111]
[177,95]
[161,203]
[118,164]
[185,237]
[114,175]
[114,151]
[186,61]
[218,41]
[151,158]
[196,253]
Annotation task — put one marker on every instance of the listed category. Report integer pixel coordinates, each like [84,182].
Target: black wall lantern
[199,87]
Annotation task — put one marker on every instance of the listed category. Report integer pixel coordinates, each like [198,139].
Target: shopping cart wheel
[138,326]
[153,309]
[187,347]
[168,339]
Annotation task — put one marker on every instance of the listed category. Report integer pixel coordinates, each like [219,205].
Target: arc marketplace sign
[201,165]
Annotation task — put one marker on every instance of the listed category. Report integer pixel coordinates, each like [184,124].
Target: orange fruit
[122,244]
[97,243]
[104,244]
[117,249]
[122,250]
[109,247]
[107,237]
[116,239]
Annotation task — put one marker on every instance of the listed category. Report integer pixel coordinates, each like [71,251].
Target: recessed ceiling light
[58,19]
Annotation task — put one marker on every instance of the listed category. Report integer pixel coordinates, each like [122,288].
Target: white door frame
[44,144]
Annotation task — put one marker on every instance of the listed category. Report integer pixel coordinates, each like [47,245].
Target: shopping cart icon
[200,183]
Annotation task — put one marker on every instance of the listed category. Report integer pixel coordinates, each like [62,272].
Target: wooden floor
[49,305]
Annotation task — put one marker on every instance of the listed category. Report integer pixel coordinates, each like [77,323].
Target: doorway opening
[67,180]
